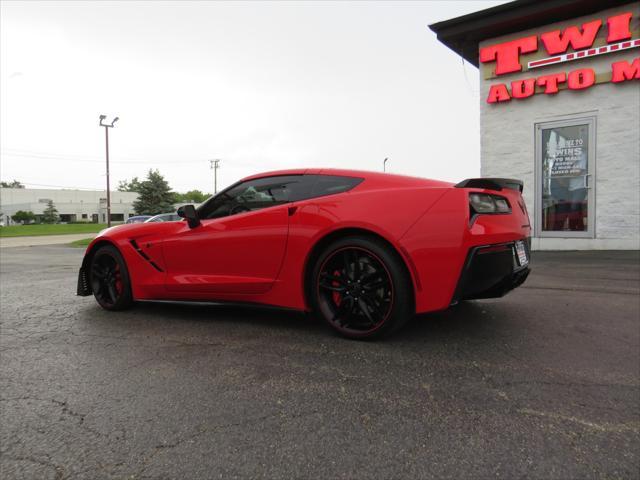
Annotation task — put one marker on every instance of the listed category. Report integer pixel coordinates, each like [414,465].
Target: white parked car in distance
[164,217]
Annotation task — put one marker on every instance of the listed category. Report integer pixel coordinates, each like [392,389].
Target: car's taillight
[484,203]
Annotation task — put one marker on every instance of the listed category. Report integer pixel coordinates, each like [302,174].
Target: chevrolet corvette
[364,251]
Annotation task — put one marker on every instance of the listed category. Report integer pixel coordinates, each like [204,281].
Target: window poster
[565,178]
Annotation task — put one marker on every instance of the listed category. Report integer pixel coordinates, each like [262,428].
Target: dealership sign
[506,57]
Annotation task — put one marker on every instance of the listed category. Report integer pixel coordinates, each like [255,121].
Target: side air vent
[137,248]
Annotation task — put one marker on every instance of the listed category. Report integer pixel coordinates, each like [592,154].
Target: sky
[259,85]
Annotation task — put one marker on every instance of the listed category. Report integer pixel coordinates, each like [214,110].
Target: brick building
[560,109]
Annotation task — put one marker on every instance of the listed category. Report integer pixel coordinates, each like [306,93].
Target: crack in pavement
[633,426]
[252,421]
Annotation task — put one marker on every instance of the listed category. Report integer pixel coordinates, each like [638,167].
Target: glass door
[565,199]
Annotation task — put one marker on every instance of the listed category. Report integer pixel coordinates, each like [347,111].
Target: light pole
[214,164]
[106,137]
[384,164]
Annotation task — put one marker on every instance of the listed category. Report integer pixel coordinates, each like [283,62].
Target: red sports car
[365,251]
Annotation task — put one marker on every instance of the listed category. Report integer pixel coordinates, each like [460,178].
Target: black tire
[361,288]
[109,279]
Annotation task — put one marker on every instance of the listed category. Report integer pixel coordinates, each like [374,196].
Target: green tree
[133,186]
[23,217]
[50,214]
[14,184]
[192,196]
[155,195]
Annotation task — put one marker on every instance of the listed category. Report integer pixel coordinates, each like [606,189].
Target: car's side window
[320,185]
[331,184]
[249,196]
[271,191]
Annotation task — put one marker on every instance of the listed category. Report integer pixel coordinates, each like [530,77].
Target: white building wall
[67,202]
[508,140]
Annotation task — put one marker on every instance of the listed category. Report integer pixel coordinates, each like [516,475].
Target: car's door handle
[292,210]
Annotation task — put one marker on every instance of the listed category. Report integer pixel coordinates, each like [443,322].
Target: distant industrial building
[72,205]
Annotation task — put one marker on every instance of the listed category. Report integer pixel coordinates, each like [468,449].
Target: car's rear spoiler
[491,183]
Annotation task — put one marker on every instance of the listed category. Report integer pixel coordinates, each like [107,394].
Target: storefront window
[564,173]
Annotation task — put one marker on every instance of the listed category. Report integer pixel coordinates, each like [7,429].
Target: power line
[32,152]
[14,152]
[23,152]
[48,158]
[61,186]
[81,160]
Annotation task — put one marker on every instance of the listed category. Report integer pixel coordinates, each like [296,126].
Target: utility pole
[106,137]
[214,164]
[384,164]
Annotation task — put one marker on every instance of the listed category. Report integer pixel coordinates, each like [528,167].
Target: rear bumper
[491,271]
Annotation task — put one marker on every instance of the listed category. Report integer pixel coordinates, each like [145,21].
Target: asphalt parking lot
[544,383]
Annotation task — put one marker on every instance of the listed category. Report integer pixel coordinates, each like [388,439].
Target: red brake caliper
[118,280]
[337,296]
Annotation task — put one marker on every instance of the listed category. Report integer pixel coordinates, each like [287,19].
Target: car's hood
[136,230]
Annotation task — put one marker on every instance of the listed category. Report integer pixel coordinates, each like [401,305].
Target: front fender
[141,247]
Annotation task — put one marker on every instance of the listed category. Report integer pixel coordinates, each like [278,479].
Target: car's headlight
[482,203]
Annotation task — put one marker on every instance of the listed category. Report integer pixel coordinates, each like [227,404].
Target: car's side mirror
[189,212]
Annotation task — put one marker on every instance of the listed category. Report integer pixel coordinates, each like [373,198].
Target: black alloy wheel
[362,289]
[109,279]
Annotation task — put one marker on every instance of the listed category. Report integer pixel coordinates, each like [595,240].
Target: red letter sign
[498,93]
[621,71]
[523,88]
[556,42]
[583,78]
[619,28]
[507,55]
[550,82]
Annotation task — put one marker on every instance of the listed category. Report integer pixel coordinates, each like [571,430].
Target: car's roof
[379,177]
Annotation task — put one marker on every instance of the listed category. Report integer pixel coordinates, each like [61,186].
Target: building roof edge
[463,34]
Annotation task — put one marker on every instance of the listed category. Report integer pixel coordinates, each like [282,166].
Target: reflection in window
[271,191]
[248,196]
[564,177]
